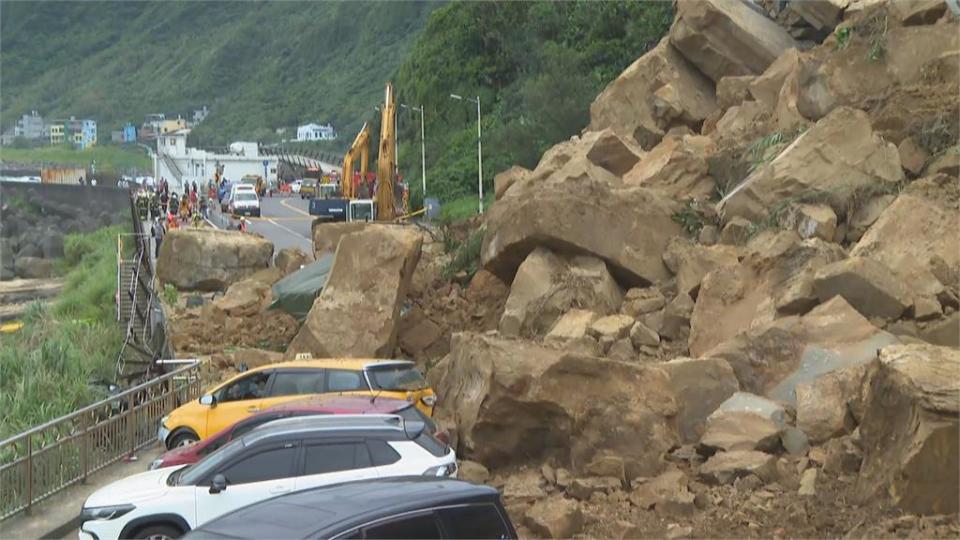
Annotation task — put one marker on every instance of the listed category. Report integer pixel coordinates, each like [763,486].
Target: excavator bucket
[387,161]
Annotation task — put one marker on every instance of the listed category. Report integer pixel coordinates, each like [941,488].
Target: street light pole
[479,148]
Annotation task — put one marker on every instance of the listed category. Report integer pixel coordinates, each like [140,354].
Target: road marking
[294,208]
[295,233]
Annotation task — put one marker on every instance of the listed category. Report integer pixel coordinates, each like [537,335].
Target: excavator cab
[362,210]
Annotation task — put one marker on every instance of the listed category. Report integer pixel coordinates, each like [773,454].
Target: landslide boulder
[838,157]
[289,260]
[908,236]
[909,432]
[511,398]
[869,286]
[578,210]
[503,180]
[244,298]
[326,235]
[691,262]
[726,39]
[357,313]
[676,167]
[210,259]
[658,91]
[546,286]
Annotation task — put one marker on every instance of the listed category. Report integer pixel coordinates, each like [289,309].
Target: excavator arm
[359,150]
[387,160]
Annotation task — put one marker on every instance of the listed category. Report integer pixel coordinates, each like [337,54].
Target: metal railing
[46,459]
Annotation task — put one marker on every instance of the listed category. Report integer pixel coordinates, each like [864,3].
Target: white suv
[278,457]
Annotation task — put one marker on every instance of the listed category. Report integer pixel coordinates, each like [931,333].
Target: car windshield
[192,474]
[245,196]
[396,377]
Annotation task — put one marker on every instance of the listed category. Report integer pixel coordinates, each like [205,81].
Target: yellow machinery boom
[387,160]
[359,150]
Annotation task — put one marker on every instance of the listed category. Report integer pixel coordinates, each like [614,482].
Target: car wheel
[159,532]
[182,439]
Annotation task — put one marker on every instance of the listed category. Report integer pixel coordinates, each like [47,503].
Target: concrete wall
[34,218]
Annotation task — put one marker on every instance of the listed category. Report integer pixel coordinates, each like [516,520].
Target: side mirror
[208,399]
[218,484]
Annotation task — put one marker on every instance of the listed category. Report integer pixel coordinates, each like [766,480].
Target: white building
[316,132]
[180,164]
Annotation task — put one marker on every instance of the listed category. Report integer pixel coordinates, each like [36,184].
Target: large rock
[691,262]
[700,386]
[546,286]
[326,236]
[677,167]
[869,286]
[821,14]
[774,279]
[512,398]
[766,87]
[725,467]
[289,260]
[837,158]
[503,180]
[574,324]
[555,517]
[795,350]
[735,430]
[579,211]
[909,432]
[732,91]
[907,237]
[745,402]
[831,404]
[210,259]
[866,215]
[667,494]
[658,91]
[726,39]
[945,332]
[357,313]
[244,298]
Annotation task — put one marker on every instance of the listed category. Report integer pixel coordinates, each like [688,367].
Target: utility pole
[479,148]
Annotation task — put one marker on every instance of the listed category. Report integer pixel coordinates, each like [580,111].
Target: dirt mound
[208,329]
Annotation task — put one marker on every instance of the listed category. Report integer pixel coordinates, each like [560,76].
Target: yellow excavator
[356,203]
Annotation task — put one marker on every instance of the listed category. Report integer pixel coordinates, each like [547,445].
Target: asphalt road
[283,220]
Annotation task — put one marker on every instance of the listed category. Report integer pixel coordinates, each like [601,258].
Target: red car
[185,455]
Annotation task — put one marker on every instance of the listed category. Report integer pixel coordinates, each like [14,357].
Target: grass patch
[108,158]
[48,366]
[691,218]
[463,208]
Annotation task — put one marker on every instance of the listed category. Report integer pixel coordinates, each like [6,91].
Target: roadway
[283,221]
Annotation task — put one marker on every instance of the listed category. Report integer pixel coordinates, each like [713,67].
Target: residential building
[180,164]
[57,132]
[129,133]
[169,126]
[29,126]
[81,133]
[316,132]
[199,115]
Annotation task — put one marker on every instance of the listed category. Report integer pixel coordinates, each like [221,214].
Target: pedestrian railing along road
[46,459]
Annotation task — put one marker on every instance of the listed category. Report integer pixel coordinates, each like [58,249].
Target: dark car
[404,507]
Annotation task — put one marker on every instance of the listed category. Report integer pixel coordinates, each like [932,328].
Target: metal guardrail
[47,459]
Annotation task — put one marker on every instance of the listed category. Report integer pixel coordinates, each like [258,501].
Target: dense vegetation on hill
[536,66]
[257,65]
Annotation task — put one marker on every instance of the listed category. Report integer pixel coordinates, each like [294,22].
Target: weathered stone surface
[326,236]
[826,405]
[613,326]
[912,157]
[471,471]
[626,227]
[745,402]
[691,262]
[727,38]
[658,91]
[583,488]
[357,313]
[554,517]
[842,456]
[745,122]
[918,12]
[640,336]
[417,332]
[734,430]
[725,467]
[640,301]
[910,429]
[838,156]
[774,278]
[676,167]
[865,215]
[733,90]
[794,441]
[947,163]
[667,494]
[909,234]
[572,325]
[766,87]
[510,398]
[815,221]
[736,231]
[613,153]
[244,298]
[547,285]
[869,286]
[798,349]
[622,350]
[926,308]
[700,387]
[709,235]
[289,260]
[676,318]
[808,483]
[503,180]
[210,259]
[821,14]
[945,332]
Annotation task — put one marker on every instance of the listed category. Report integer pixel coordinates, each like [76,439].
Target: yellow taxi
[266,386]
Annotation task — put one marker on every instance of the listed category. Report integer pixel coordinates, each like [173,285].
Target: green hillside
[258,66]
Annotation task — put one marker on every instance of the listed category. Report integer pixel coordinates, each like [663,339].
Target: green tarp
[295,293]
